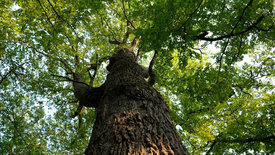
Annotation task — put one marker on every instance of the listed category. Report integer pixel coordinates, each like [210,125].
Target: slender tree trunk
[132,117]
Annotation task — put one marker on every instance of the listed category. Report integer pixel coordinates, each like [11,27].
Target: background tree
[221,99]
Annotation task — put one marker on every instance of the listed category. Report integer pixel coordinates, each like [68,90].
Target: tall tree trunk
[132,117]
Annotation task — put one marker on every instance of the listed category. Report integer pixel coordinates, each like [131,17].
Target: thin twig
[14,125]
[220,59]
[254,25]
[69,79]
[47,16]
[62,18]
[66,35]
[12,70]
[47,55]
[190,16]
[124,12]
[237,23]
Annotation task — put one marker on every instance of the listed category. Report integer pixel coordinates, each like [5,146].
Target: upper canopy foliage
[215,68]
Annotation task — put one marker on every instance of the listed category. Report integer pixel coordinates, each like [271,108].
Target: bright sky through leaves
[215,69]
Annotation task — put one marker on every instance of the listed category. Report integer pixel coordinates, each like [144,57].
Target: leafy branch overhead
[212,61]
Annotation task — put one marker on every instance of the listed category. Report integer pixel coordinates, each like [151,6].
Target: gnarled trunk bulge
[132,117]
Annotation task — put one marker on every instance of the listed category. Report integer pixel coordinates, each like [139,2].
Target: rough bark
[132,117]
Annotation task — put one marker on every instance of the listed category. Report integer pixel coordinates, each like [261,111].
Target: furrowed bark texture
[132,117]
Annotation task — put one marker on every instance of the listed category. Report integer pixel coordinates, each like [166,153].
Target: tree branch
[47,16]
[254,25]
[190,16]
[12,70]
[66,23]
[150,70]
[138,53]
[12,120]
[62,18]
[211,147]
[47,55]
[237,23]
[220,59]
[127,34]
[95,67]
[115,41]
[266,30]
[69,79]
[92,77]
[66,35]
[248,140]
[199,111]
[134,44]
[124,12]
